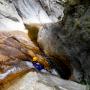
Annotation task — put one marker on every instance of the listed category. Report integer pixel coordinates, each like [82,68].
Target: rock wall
[9,18]
[68,41]
[70,38]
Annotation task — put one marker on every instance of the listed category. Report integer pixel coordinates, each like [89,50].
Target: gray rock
[69,41]
[70,38]
[37,81]
[9,18]
[39,11]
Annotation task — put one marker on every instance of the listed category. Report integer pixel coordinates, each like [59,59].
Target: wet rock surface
[14,55]
[37,81]
[39,11]
[67,41]
[70,38]
[9,18]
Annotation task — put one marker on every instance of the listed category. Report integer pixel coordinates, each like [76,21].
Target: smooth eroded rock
[70,38]
[9,18]
[37,81]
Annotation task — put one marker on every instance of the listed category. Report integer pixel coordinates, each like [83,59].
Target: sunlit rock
[43,11]
[9,18]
